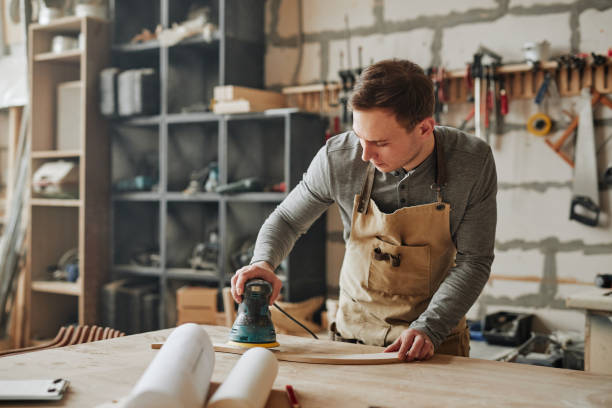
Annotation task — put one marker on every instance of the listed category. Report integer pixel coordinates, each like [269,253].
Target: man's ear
[426,127]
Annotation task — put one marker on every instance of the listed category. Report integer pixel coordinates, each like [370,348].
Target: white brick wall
[322,15]
[280,65]
[583,268]
[596,31]
[288,22]
[505,36]
[530,3]
[533,216]
[310,70]
[518,263]
[520,159]
[510,289]
[414,45]
[562,320]
[399,10]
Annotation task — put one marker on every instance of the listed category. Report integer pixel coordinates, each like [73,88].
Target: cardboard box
[196,297]
[196,315]
[238,99]
[231,93]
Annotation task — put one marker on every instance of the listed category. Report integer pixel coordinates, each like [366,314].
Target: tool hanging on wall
[585,192]
[540,123]
[440,94]
[502,106]
[348,75]
[477,77]
[478,74]
[492,105]
[603,280]
[558,145]
[467,118]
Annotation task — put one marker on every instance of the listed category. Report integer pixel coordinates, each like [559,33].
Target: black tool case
[507,328]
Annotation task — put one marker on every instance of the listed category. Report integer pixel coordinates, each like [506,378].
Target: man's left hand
[412,345]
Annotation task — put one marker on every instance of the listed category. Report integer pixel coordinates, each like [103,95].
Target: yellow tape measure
[539,124]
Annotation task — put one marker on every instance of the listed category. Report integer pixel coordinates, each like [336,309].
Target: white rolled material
[249,383]
[179,376]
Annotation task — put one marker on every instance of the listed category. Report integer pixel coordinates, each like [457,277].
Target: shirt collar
[425,166]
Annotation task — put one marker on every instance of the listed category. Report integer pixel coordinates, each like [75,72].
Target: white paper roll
[249,383]
[179,376]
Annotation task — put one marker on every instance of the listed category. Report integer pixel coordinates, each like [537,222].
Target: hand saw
[585,192]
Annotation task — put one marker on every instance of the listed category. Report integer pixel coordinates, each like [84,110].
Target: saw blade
[585,173]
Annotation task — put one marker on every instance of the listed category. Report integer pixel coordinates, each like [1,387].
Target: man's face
[387,144]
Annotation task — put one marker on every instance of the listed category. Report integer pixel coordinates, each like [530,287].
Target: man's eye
[381,144]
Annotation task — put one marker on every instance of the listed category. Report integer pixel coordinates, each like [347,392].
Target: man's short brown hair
[400,86]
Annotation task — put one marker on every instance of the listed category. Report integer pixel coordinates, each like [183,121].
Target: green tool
[253,326]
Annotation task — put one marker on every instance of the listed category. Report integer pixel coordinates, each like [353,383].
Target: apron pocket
[399,269]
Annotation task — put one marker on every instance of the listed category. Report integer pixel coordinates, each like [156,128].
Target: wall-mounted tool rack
[316,98]
[522,81]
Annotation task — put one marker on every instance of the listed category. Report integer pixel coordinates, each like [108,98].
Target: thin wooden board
[309,358]
[297,355]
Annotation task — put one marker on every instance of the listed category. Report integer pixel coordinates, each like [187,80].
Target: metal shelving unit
[275,147]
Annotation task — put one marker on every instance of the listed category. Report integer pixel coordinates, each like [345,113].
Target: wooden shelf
[255,197]
[199,40]
[192,117]
[197,197]
[56,154]
[73,56]
[137,47]
[138,121]
[137,196]
[193,274]
[64,24]
[55,202]
[58,224]
[137,270]
[62,288]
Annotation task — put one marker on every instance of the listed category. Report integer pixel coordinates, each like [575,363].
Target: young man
[419,213]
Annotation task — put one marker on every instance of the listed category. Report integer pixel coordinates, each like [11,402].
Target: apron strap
[440,182]
[440,163]
[366,189]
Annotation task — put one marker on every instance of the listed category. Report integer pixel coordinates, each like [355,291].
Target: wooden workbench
[597,303]
[104,371]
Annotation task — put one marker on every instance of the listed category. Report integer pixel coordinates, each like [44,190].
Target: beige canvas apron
[393,265]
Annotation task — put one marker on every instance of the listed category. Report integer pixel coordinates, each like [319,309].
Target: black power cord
[289,316]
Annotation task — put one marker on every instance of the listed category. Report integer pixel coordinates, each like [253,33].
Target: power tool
[253,326]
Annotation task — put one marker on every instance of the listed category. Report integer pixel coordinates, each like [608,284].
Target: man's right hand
[261,270]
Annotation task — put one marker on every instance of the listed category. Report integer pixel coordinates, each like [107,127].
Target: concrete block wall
[541,256]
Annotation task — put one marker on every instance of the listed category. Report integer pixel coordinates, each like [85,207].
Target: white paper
[180,374]
[249,383]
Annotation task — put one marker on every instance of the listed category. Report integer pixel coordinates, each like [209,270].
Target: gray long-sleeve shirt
[336,175]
